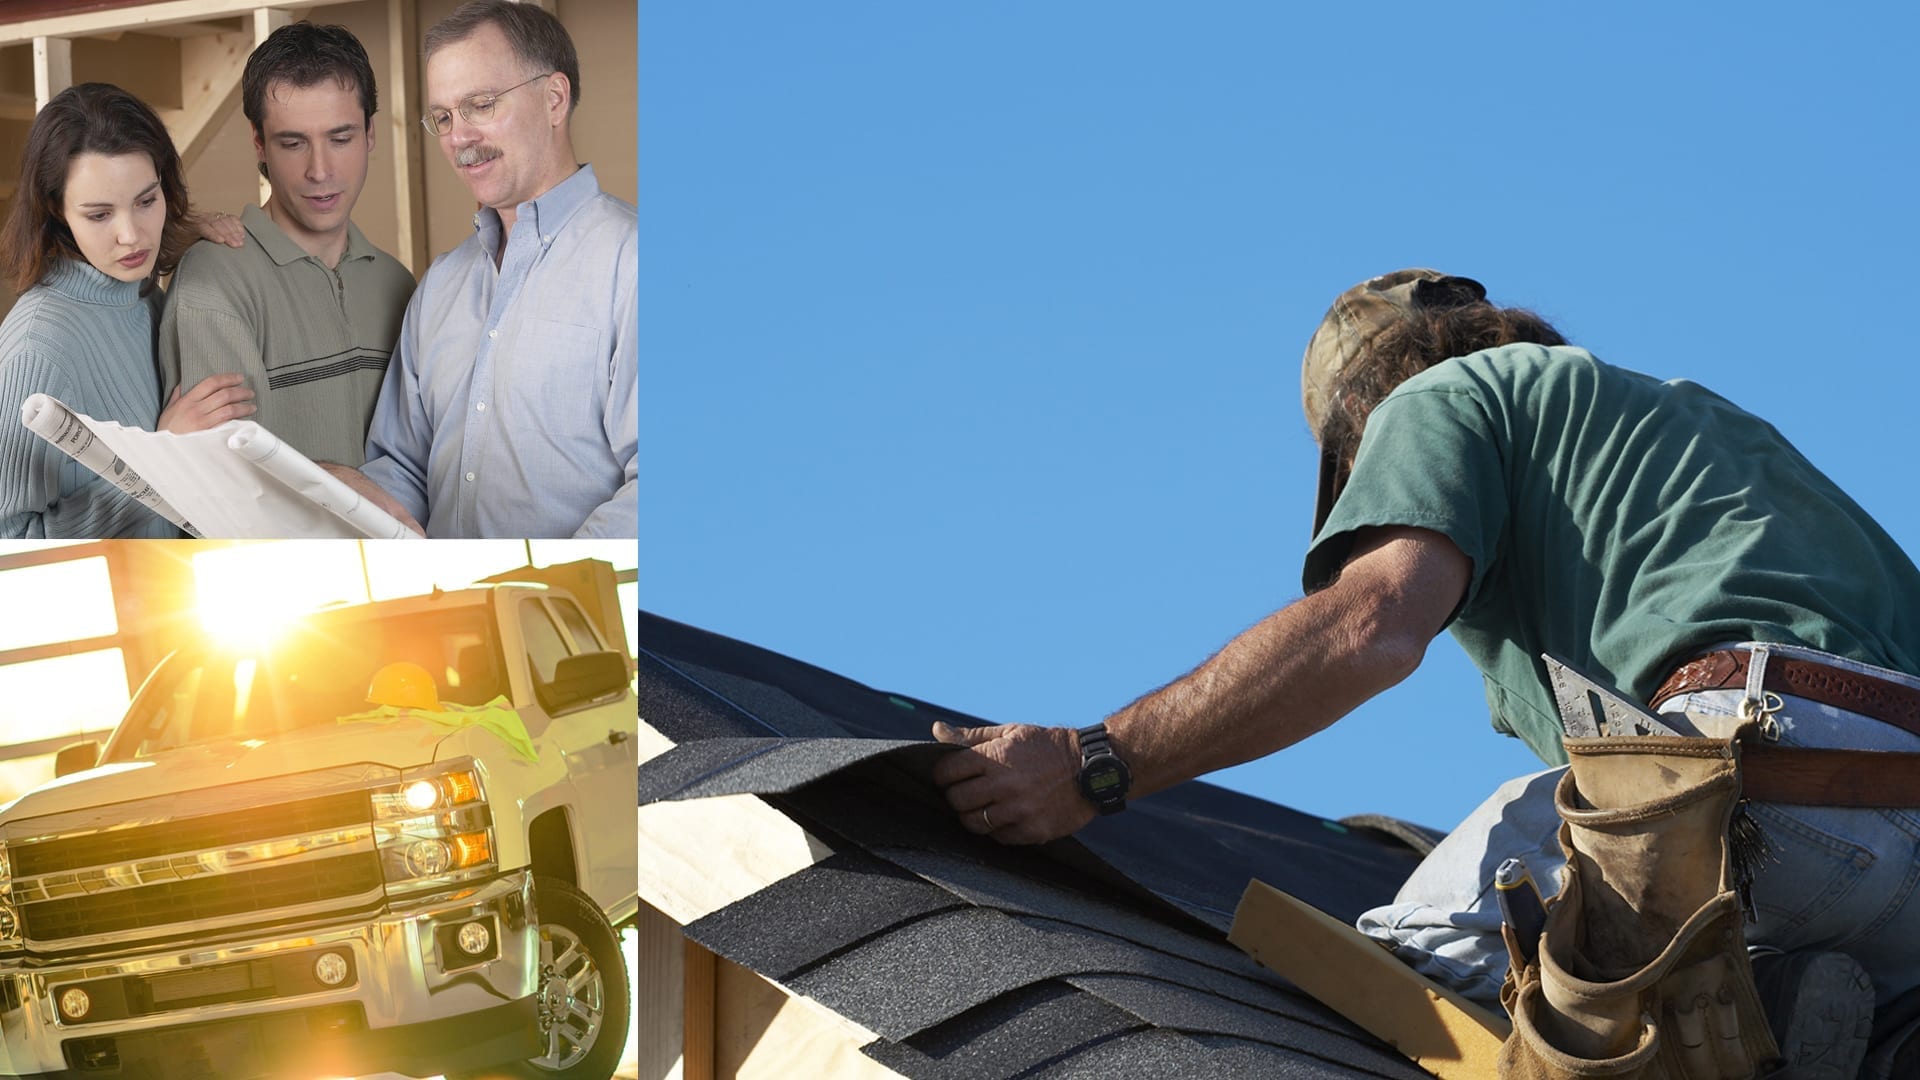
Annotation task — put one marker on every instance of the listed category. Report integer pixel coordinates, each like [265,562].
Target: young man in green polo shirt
[307,310]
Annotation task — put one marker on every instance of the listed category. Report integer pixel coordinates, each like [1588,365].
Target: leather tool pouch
[1642,968]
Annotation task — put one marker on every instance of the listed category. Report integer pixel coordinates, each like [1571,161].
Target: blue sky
[971,333]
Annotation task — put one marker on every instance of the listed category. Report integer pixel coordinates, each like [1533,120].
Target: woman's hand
[213,401]
[219,227]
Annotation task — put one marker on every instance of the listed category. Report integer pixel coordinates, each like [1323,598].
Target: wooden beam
[192,29]
[268,19]
[1355,976]
[154,598]
[404,135]
[698,999]
[660,981]
[139,17]
[763,1031]
[31,653]
[210,69]
[54,552]
[52,68]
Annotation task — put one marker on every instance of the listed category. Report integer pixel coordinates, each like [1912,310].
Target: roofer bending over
[511,408]
[1479,474]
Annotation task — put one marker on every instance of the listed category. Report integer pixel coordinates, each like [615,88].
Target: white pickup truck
[239,884]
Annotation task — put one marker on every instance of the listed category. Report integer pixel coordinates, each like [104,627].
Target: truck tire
[584,1009]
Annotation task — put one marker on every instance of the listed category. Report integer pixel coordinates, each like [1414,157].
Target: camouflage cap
[1355,319]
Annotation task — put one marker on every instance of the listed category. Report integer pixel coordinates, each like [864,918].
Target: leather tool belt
[1801,776]
[1725,669]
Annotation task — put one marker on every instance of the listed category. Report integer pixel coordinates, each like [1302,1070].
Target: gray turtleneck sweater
[88,340]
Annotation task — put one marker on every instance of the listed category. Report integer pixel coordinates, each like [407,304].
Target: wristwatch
[1104,778]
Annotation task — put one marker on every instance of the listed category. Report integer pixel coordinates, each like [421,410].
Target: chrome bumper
[404,971]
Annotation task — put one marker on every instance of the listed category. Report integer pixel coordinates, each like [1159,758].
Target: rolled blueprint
[57,424]
[296,471]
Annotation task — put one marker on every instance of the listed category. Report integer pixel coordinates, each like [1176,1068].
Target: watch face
[1105,779]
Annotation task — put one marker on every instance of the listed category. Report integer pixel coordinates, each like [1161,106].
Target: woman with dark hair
[101,208]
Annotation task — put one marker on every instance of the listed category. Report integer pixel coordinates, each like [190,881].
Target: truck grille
[192,834]
[242,867]
[207,898]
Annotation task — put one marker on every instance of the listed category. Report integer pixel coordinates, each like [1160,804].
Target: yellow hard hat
[404,685]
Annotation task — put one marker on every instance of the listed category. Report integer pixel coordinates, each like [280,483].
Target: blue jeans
[1837,879]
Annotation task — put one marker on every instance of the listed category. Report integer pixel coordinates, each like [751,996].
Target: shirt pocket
[557,380]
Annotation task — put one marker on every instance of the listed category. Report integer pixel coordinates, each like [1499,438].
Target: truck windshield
[313,674]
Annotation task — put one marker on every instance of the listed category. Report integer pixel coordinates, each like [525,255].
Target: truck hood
[401,744]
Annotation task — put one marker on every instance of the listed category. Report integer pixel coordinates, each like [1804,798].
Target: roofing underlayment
[1104,954]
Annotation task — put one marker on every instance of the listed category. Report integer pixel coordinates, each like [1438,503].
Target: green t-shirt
[1619,523]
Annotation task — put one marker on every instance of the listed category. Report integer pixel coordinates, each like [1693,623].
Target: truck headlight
[442,789]
[421,796]
[427,858]
[434,827]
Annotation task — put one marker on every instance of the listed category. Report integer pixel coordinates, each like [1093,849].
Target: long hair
[90,118]
[1410,346]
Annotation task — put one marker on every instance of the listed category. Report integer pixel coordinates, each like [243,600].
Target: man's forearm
[1298,670]
[1285,678]
[1295,672]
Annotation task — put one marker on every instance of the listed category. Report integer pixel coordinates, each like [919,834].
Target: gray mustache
[474,155]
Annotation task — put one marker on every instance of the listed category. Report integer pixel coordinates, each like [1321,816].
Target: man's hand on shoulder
[1017,783]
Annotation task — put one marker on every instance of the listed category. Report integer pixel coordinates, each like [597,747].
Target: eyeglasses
[477,109]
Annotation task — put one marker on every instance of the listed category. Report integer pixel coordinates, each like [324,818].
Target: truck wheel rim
[572,1000]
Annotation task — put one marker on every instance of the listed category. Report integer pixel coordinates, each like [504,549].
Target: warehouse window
[62,695]
[63,601]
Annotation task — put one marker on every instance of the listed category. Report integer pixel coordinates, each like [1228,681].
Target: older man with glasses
[511,407]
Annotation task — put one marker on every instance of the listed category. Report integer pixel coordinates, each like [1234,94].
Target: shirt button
[482,407]
[546,239]
[493,333]
[469,478]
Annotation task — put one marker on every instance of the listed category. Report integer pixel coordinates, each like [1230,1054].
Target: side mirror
[580,679]
[76,757]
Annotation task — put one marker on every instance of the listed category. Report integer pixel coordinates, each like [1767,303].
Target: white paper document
[235,481]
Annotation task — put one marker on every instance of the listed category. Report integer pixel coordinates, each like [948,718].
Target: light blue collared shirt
[511,407]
